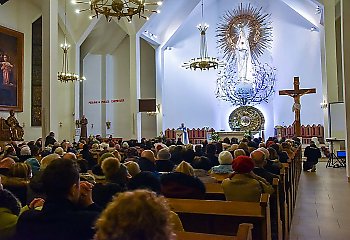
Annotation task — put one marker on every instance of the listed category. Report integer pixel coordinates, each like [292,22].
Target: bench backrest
[244,233]
[224,217]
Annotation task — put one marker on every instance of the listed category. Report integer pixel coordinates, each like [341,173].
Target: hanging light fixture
[65,75]
[203,62]
[118,8]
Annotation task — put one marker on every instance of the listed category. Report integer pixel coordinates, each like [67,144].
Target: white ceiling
[164,25]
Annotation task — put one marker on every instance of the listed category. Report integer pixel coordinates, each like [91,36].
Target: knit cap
[243,164]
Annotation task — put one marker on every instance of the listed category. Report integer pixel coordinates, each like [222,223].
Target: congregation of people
[104,189]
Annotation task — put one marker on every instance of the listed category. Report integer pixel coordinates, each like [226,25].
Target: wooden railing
[195,135]
[307,132]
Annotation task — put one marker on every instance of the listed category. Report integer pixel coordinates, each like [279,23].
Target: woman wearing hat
[243,185]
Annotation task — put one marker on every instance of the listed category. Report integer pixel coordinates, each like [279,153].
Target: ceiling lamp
[65,75]
[203,62]
[118,8]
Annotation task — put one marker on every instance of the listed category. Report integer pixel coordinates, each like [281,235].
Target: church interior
[134,73]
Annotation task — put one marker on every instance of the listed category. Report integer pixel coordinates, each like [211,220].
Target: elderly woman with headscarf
[243,185]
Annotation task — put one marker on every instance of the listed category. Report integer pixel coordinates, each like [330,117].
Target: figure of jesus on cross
[296,93]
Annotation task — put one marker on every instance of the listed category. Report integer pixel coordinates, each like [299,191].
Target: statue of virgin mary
[243,55]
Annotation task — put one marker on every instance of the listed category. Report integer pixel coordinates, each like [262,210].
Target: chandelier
[118,8]
[203,62]
[230,88]
[65,75]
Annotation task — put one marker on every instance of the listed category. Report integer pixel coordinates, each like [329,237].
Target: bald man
[70,156]
[149,155]
[259,159]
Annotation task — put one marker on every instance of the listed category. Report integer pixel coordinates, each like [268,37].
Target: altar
[234,134]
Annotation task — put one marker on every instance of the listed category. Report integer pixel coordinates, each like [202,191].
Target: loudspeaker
[147,105]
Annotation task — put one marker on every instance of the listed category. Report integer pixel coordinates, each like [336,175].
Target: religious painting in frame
[11,70]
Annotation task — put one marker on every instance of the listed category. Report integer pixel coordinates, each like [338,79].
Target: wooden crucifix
[296,93]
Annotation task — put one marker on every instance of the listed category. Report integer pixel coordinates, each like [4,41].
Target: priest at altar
[181,134]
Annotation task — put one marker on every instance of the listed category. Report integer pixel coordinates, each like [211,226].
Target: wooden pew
[284,206]
[223,217]
[214,191]
[287,190]
[220,177]
[275,185]
[244,233]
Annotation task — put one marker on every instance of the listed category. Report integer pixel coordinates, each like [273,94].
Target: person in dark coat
[182,183]
[145,180]
[117,177]
[147,161]
[86,154]
[211,154]
[50,139]
[163,163]
[68,211]
[282,155]
[258,158]
[312,154]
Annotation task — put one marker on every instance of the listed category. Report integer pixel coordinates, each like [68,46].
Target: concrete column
[345,42]
[330,54]
[103,95]
[159,87]
[329,60]
[135,87]
[50,63]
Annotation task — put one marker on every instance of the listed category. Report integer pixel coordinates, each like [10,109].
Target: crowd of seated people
[80,186]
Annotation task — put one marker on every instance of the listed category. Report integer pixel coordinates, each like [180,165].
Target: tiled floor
[323,205]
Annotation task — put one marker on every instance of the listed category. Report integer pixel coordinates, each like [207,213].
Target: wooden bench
[220,177]
[244,233]
[277,204]
[284,206]
[287,189]
[224,217]
[214,191]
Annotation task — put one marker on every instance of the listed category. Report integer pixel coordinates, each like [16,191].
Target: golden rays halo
[256,23]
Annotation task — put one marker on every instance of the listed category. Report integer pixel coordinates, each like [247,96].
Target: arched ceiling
[163,25]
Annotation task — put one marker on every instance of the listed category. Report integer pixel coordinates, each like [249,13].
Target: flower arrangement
[215,137]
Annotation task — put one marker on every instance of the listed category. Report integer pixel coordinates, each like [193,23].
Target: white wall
[189,96]
[296,52]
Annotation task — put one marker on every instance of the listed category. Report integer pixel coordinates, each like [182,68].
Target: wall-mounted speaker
[147,105]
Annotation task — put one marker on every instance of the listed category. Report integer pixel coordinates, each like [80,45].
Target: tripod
[333,160]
